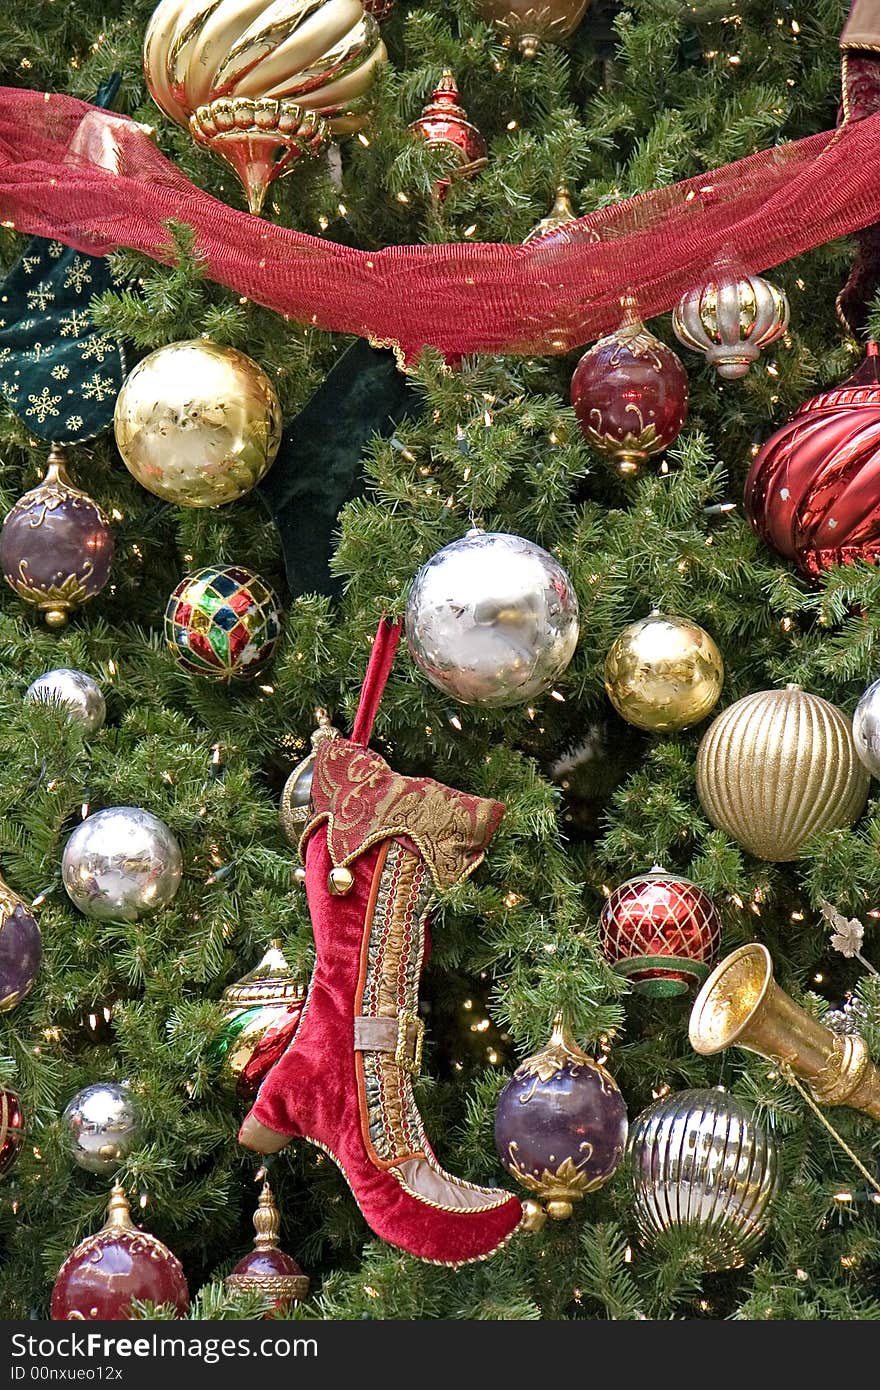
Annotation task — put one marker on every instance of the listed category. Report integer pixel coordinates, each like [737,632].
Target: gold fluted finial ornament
[118,1210]
[266,1269]
[261,84]
[741,1005]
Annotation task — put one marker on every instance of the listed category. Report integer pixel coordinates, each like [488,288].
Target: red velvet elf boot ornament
[377,847]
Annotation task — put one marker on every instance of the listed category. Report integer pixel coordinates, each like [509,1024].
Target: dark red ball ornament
[630,395]
[11,1128]
[102,1275]
[661,931]
[813,491]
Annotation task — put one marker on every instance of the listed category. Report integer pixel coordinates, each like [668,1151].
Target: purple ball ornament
[21,949]
[560,1124]
[56,546]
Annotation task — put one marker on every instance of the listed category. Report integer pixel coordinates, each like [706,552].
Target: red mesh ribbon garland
[96,182]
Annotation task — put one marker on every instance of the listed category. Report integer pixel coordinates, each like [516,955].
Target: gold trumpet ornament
[262,84]
[741,1005]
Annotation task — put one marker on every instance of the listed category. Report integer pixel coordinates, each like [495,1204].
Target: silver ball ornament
[121,864]
[75,693]
[492,619]
[866,729]
[701,1162]
[103,1123]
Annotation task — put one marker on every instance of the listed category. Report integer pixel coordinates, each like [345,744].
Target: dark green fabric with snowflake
[58,372]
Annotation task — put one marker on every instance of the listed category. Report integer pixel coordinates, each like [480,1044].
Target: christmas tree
[638,97]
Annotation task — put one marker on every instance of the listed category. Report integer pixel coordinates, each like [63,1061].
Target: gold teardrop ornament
[261,85]
[777,767]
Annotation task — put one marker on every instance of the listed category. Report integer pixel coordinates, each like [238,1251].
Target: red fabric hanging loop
[378,671]
[96,182]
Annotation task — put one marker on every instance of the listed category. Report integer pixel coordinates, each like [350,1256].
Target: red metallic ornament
[630,395]
[266,1269]
[813,491]
[102,1275]
[661,931]
[11,1128]
[445,123]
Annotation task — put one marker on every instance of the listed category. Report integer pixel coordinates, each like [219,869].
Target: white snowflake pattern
[29,264]
[38,352]
[60,373]
[43,405]
[55,249]
[97,348]
[73,422]
[97,387]
[77,275]
[5,354]
[74,323]
[26,325]
[40,298]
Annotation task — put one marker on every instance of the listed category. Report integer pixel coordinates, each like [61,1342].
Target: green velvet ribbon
[59,373]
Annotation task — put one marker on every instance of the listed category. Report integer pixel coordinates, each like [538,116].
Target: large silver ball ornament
[75,693]
[866,729]
[492,619]
[103,1124]
[700,1162]
[121,864]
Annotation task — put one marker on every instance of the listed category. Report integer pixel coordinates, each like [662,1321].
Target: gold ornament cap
[270,982]
[559,215]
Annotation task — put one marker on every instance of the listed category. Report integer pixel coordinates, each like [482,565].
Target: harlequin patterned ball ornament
[660,931]
[560,1124]
[630,395]
[223,621]
[813,491]
[730,321]
[105,1272]
[56,545]
[21,949]
[492,619]
[701,1163]
[663,673]
[197,423]
[11,1128]
[777,767]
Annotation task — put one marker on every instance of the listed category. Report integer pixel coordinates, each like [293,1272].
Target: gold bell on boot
[340,881]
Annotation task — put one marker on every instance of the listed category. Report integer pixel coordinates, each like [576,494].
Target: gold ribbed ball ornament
[663,673]
[777,767]
[197,423]
[261,84]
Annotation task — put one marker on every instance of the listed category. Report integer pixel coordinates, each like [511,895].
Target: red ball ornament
[813,491]
[99,1279]
[661,931]
[379,9]
[445,122]
[11,1128]
[630,395]
[266,1269]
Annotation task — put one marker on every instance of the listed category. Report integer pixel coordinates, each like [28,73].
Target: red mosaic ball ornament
[630,395]
[11,1128]
[813,491]
[223,621]
[379,9]
[102,1275]
[661,931]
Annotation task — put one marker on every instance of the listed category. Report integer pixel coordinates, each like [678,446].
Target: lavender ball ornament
[56,546]
[21,949]
[560,1124]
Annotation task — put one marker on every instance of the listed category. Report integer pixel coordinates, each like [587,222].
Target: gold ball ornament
[525,24]
[777,767]
[262,84]
[663,673]
[197,424]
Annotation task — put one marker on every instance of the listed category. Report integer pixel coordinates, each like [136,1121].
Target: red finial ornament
[444,122]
